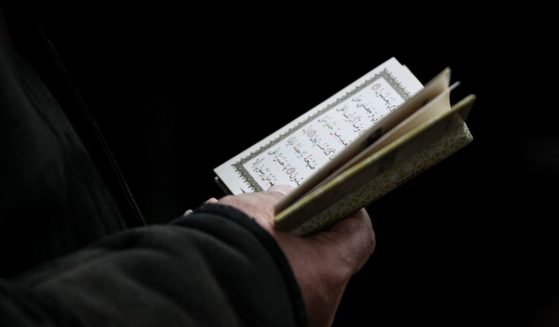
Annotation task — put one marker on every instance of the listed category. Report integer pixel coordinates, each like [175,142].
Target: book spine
[398,173]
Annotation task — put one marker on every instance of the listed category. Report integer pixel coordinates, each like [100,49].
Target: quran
[354,147]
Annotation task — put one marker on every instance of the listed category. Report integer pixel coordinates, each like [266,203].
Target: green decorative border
[397,86]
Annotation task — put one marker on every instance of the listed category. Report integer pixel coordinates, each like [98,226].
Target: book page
[299,149]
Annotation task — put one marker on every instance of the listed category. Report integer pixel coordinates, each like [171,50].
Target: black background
[179,89]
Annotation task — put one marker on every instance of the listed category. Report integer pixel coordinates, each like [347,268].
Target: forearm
[215,267]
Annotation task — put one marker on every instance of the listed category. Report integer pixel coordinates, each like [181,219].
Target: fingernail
[281,188]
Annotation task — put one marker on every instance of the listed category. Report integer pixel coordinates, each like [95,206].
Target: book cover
[379,174]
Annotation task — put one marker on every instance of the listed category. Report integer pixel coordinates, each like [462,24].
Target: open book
[353,148]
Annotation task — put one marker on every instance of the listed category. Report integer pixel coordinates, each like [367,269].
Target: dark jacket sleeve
[216,267]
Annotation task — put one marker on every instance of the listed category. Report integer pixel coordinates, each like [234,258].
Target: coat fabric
[73,248]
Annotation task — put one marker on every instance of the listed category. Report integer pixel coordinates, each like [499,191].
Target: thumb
[353,237]
[281,188]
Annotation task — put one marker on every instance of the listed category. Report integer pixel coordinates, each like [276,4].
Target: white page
[297,150]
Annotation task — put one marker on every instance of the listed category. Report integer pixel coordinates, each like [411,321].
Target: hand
[322,263]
